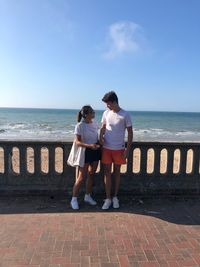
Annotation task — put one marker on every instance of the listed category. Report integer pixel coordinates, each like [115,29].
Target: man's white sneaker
[89,200]
[106,204]
[74,204]
[115,203]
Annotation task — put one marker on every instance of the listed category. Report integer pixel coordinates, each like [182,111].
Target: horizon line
[175,111]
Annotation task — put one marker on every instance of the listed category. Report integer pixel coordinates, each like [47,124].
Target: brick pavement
[41,232]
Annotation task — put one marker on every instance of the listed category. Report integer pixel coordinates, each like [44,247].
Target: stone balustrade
[40,167]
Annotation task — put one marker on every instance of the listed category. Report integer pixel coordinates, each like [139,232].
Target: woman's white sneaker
[106,204]
[74,203]
[89,200]
[115,201]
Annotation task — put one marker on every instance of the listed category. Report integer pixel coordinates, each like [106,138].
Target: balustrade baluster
[8,169]
[170,160]
[22,160]
[196,158]
[157,152]
[67,170]
[51,150]
[183,161]
[66,151]
[130,161]
[37,160]
[143,160]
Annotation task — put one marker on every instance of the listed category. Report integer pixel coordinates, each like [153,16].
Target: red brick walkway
[45,232]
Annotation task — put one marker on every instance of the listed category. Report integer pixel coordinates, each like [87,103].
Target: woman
[86,132]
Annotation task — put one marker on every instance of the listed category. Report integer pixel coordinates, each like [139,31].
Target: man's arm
[130,140]
[102,132]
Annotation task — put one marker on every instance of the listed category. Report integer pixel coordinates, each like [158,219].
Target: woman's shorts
[92,155]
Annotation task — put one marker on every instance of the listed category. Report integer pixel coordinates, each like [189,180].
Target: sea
[58,125]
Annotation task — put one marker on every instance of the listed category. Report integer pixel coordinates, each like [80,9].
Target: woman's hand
[94,146]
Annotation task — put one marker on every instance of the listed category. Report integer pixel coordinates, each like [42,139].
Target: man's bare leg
[107,179]
[117,178]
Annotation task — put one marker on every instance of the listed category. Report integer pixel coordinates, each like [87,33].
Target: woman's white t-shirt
[87,131]
[116,124]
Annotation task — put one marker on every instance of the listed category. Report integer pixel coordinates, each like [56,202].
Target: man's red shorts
[113,156]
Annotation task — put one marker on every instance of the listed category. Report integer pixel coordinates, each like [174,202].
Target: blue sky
[64,54]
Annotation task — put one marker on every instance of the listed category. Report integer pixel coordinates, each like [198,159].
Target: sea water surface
[58,124]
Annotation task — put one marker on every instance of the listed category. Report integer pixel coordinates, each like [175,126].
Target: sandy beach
[59,161]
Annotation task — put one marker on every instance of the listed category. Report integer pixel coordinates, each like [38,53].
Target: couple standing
[115,121]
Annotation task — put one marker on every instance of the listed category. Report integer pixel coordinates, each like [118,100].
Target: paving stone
[156,233]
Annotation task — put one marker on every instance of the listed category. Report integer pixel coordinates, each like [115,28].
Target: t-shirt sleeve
[103,119]
[96,125]
[77,129]
[128,120]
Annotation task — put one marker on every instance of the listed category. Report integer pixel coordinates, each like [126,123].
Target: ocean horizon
[58,124]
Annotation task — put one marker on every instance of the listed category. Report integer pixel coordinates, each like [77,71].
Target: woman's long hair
[83,112]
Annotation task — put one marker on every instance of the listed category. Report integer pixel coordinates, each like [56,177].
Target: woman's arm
[80,143]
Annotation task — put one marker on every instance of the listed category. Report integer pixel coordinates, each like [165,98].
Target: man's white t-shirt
[87,131]
[116,124]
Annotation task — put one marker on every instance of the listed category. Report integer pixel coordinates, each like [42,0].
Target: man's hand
[126,153]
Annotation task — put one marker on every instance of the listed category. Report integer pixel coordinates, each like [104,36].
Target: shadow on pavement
[178,210]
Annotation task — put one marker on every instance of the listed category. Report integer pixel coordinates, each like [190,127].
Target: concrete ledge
[133,183]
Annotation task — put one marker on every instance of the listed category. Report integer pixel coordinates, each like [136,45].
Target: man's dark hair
[110,97]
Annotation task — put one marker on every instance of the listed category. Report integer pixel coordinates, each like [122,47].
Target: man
[115,122]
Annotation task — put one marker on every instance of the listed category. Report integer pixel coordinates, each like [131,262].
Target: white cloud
[124,37]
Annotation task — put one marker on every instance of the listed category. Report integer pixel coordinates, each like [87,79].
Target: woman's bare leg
[79,180]
[91,171]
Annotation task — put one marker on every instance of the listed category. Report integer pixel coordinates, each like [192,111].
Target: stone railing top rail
[25,141]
